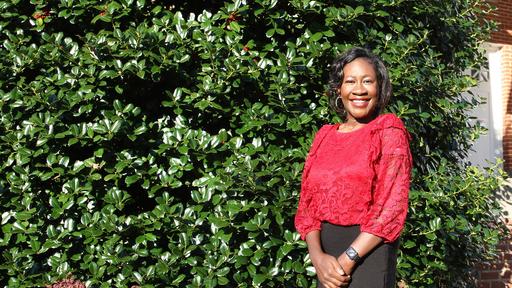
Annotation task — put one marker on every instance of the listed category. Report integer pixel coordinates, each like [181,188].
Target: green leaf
[317,36]
[234,26]
[131,179]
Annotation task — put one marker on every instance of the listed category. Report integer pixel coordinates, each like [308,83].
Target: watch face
[351,254]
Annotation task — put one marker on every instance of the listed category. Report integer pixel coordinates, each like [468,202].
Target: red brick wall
[503,15]
[506,82]
[498,274]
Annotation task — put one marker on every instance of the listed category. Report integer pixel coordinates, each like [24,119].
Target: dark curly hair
[336,77]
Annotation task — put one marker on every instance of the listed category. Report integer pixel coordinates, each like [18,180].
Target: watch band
[352,254]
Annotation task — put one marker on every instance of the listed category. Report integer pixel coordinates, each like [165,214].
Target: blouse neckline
[337,126]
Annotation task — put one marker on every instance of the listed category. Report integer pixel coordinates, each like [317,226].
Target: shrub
[161,143]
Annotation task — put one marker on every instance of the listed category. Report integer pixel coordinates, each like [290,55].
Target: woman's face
[359,90]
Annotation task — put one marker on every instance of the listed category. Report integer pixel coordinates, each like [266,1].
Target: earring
[337,105]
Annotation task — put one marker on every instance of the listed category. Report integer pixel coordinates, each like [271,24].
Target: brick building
[497,115]
[503,39]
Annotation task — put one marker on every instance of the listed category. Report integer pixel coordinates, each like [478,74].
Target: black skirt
[378,268]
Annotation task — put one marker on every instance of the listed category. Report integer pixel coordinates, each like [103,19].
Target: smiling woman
[372,75]
[355,184]
[359,91]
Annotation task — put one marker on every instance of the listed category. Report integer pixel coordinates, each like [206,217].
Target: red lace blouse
[357,178]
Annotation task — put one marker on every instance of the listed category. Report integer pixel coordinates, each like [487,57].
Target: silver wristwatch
[352,254]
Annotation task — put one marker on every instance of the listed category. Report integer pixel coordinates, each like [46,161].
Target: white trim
[496,122]
[488,147]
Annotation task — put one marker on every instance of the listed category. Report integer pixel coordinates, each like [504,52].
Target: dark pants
[378,268]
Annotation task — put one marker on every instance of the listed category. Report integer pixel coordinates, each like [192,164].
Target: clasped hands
[332,272]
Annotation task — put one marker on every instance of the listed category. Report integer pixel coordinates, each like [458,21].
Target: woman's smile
[360,103]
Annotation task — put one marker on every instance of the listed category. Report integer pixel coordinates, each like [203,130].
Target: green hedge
[162,145]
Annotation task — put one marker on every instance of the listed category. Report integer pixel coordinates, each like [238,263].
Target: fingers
[345,280]
[335,276]
[340,271]
[330,281]
[334,284]
[330,273]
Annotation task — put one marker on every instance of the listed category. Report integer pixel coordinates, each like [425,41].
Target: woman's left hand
[328,270]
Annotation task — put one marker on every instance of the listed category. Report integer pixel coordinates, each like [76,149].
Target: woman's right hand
[329,271]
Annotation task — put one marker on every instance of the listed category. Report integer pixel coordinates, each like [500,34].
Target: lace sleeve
[305,221]
[388,210]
